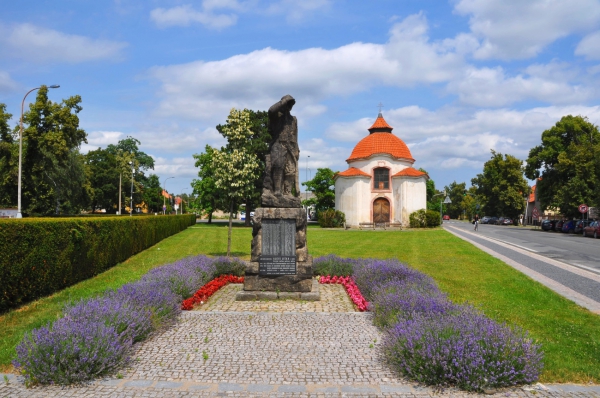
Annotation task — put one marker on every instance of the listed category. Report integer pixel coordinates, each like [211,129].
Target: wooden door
[381,211]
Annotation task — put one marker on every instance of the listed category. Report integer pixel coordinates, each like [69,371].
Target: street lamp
[131,201]
[164,197]
[19,215]
[447,200]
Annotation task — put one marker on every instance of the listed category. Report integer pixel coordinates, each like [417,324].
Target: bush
[434,341]
[333,265]
[331,218]
[95,336]
[227,266]
[41,256]
[424,219]
[462,348]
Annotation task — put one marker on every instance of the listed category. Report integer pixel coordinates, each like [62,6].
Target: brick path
[267,349]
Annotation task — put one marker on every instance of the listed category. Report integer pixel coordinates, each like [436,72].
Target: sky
[456,78]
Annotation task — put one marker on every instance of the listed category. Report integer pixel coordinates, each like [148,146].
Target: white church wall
[367,165]
[410,195]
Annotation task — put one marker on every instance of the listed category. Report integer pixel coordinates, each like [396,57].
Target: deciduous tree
[501,185]
[567,165]
[323,187]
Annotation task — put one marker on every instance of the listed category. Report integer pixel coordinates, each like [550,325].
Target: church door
[381,211]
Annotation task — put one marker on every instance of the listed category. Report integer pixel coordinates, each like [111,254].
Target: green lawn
[570,335]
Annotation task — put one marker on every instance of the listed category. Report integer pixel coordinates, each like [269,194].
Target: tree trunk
[209,217]
[248,204]
[229,231]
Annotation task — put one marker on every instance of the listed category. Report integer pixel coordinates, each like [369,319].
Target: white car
[243,215]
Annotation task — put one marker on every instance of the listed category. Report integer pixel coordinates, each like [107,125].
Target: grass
[570,335]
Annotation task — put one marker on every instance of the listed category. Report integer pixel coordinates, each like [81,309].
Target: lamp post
[164,197]
[19,215]
[131,201]
[447,200]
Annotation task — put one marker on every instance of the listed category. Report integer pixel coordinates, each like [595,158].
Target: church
[380,185]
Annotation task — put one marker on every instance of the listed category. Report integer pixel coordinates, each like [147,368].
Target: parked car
[559,225]
[569,226]
[507,221]
[580,225]
[446,217]
[549,225]
[485,219]
[500,220]
[592,230]
[492,220]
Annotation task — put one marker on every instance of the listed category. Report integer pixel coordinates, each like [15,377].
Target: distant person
[476,222]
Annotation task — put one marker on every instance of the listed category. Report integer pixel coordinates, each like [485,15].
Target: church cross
[380,106]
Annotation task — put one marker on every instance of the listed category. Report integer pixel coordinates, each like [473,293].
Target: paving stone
[110,382]
[138,383]
[259,388]
[168,384]
[391,389]
[291,388]
[352,389]
[230,387]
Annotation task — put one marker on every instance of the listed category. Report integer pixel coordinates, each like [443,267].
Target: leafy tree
[501,185]
[151,193]
[209,197]
[323,187]
[257,143]
[103,177]
[235,168]
[430,186]
[456,193]
[9,152]
[51,136]
[567,165]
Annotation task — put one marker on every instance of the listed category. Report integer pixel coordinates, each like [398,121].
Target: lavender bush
[95,336]
[334,266]
[70,351]
[462,348]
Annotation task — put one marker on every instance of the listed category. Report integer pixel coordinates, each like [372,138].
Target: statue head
[289,102]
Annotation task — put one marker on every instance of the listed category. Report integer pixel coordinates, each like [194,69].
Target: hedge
[39,256]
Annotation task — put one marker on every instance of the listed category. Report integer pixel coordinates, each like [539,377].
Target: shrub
[424,219]
[71,351]
[333,265]
[331,218]
[42,256]
[462,348]
[227,266]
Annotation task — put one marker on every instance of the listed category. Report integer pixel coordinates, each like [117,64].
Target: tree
[151,193]
[235,168]
[501,186]
[456,192]
[257,143]
[9,153]
[567,165]
[209,197]
[323,187]
[51,136]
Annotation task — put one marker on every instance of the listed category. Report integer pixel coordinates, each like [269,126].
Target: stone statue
[281,186]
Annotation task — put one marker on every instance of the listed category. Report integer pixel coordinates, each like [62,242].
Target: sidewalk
[268,349]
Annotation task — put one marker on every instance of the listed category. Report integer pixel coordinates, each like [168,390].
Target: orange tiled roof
[532,194]
[409,172]
[352,172]
[380,143]
[380,123]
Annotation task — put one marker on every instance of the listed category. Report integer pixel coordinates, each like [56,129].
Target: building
[381,185]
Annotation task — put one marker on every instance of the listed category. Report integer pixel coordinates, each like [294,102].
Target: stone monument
[280,266]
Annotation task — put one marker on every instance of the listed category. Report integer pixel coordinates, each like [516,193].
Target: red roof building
[380,186]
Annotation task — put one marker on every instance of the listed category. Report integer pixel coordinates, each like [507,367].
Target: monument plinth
[280,266]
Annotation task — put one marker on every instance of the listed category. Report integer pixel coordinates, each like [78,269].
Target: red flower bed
[209,289]
[351,288]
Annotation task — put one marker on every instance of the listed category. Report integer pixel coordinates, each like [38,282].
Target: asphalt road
[568,264]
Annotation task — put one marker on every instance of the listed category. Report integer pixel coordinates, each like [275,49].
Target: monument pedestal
[280,266]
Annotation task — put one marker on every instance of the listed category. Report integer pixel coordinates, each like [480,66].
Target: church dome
[381,141]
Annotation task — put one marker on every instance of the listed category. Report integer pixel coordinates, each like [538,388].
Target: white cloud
[547,83]
[512,29]
[101,139]
[449,137]
[41,45]
[6,83]
[185,15]
[589,46]
[205,90]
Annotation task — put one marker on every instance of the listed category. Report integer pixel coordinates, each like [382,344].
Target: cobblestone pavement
[267,349]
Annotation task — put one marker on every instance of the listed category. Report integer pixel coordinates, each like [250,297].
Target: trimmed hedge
[39,256]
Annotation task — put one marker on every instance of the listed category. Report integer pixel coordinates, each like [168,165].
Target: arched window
[382,178]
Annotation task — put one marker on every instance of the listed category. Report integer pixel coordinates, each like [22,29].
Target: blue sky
[456,78]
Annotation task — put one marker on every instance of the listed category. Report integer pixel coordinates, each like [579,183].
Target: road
[568,264]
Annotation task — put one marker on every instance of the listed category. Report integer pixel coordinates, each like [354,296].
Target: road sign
[176,207]
[535,213]
[164,207]
[583,208]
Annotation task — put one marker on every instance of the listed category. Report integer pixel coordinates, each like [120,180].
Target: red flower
[209,289]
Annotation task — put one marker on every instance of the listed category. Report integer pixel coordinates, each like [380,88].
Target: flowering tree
[235,168]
